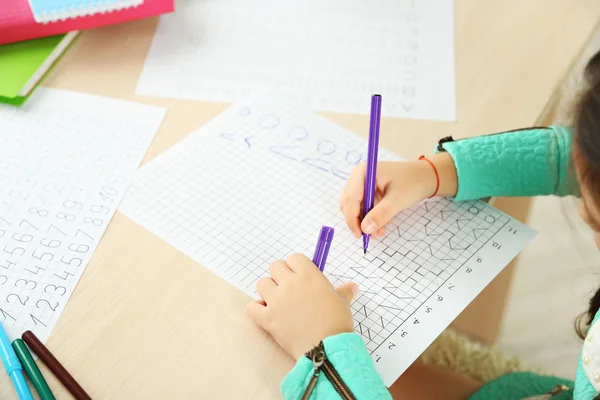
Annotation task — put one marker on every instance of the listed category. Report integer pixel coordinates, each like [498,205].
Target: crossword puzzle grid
[235,207]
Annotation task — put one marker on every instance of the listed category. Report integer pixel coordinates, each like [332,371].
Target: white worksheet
[330,54]
[257,183]
[65,161]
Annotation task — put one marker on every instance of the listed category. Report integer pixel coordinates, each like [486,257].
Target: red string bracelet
[437,176]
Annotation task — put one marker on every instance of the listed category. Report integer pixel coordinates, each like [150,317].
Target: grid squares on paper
[235,196]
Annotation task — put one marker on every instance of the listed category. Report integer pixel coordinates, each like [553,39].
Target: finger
[380,232]
[382,182]
[351,212]
[352,197]
[354,188]
[356,183]
[300,263]
[378,197]
[380,214]
[376,200]
[257,313]
[265,287]
[347,291]
[279,271]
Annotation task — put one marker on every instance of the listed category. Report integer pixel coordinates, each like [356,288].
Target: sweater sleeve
[527,162]
[351,359]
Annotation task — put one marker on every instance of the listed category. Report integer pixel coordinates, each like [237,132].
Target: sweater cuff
[295,382]
[343,347]
[349,356]
[525,162]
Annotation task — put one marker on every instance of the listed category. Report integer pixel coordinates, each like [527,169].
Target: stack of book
[35,33]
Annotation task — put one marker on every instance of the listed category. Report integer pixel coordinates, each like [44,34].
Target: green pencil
[32,370]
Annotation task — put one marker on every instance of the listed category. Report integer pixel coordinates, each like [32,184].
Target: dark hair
[586,156]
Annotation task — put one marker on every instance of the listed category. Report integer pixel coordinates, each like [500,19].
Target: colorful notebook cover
[55,10]
[17,22]
[23,65]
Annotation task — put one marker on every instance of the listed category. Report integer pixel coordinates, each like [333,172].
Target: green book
[24,64]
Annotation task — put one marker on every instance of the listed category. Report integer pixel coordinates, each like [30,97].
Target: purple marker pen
[370,181]
[323,244]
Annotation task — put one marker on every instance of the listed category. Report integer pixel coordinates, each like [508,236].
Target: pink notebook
[17,22]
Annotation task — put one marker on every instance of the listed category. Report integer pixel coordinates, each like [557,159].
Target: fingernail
[354,289]
[369,226]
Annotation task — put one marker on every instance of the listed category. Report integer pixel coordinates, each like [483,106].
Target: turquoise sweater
[528,162]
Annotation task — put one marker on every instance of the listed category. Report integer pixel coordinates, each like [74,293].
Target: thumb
[379,215]
[347,291]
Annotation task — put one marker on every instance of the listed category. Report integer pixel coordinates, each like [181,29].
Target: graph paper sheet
[333,55]
[65,161]
[257,183]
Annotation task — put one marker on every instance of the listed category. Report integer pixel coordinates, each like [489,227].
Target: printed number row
[20,251]
[31,285]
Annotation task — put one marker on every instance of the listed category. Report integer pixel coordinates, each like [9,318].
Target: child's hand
[400,185]
[299,306]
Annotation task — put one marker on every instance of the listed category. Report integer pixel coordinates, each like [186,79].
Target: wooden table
[146,322]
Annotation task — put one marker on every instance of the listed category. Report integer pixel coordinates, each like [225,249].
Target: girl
[312,321]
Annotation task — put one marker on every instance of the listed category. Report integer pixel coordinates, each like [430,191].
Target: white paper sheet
[332,55]
[65,162]
[259,181]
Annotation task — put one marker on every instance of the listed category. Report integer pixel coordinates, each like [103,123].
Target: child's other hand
[300,307]
[400,185]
